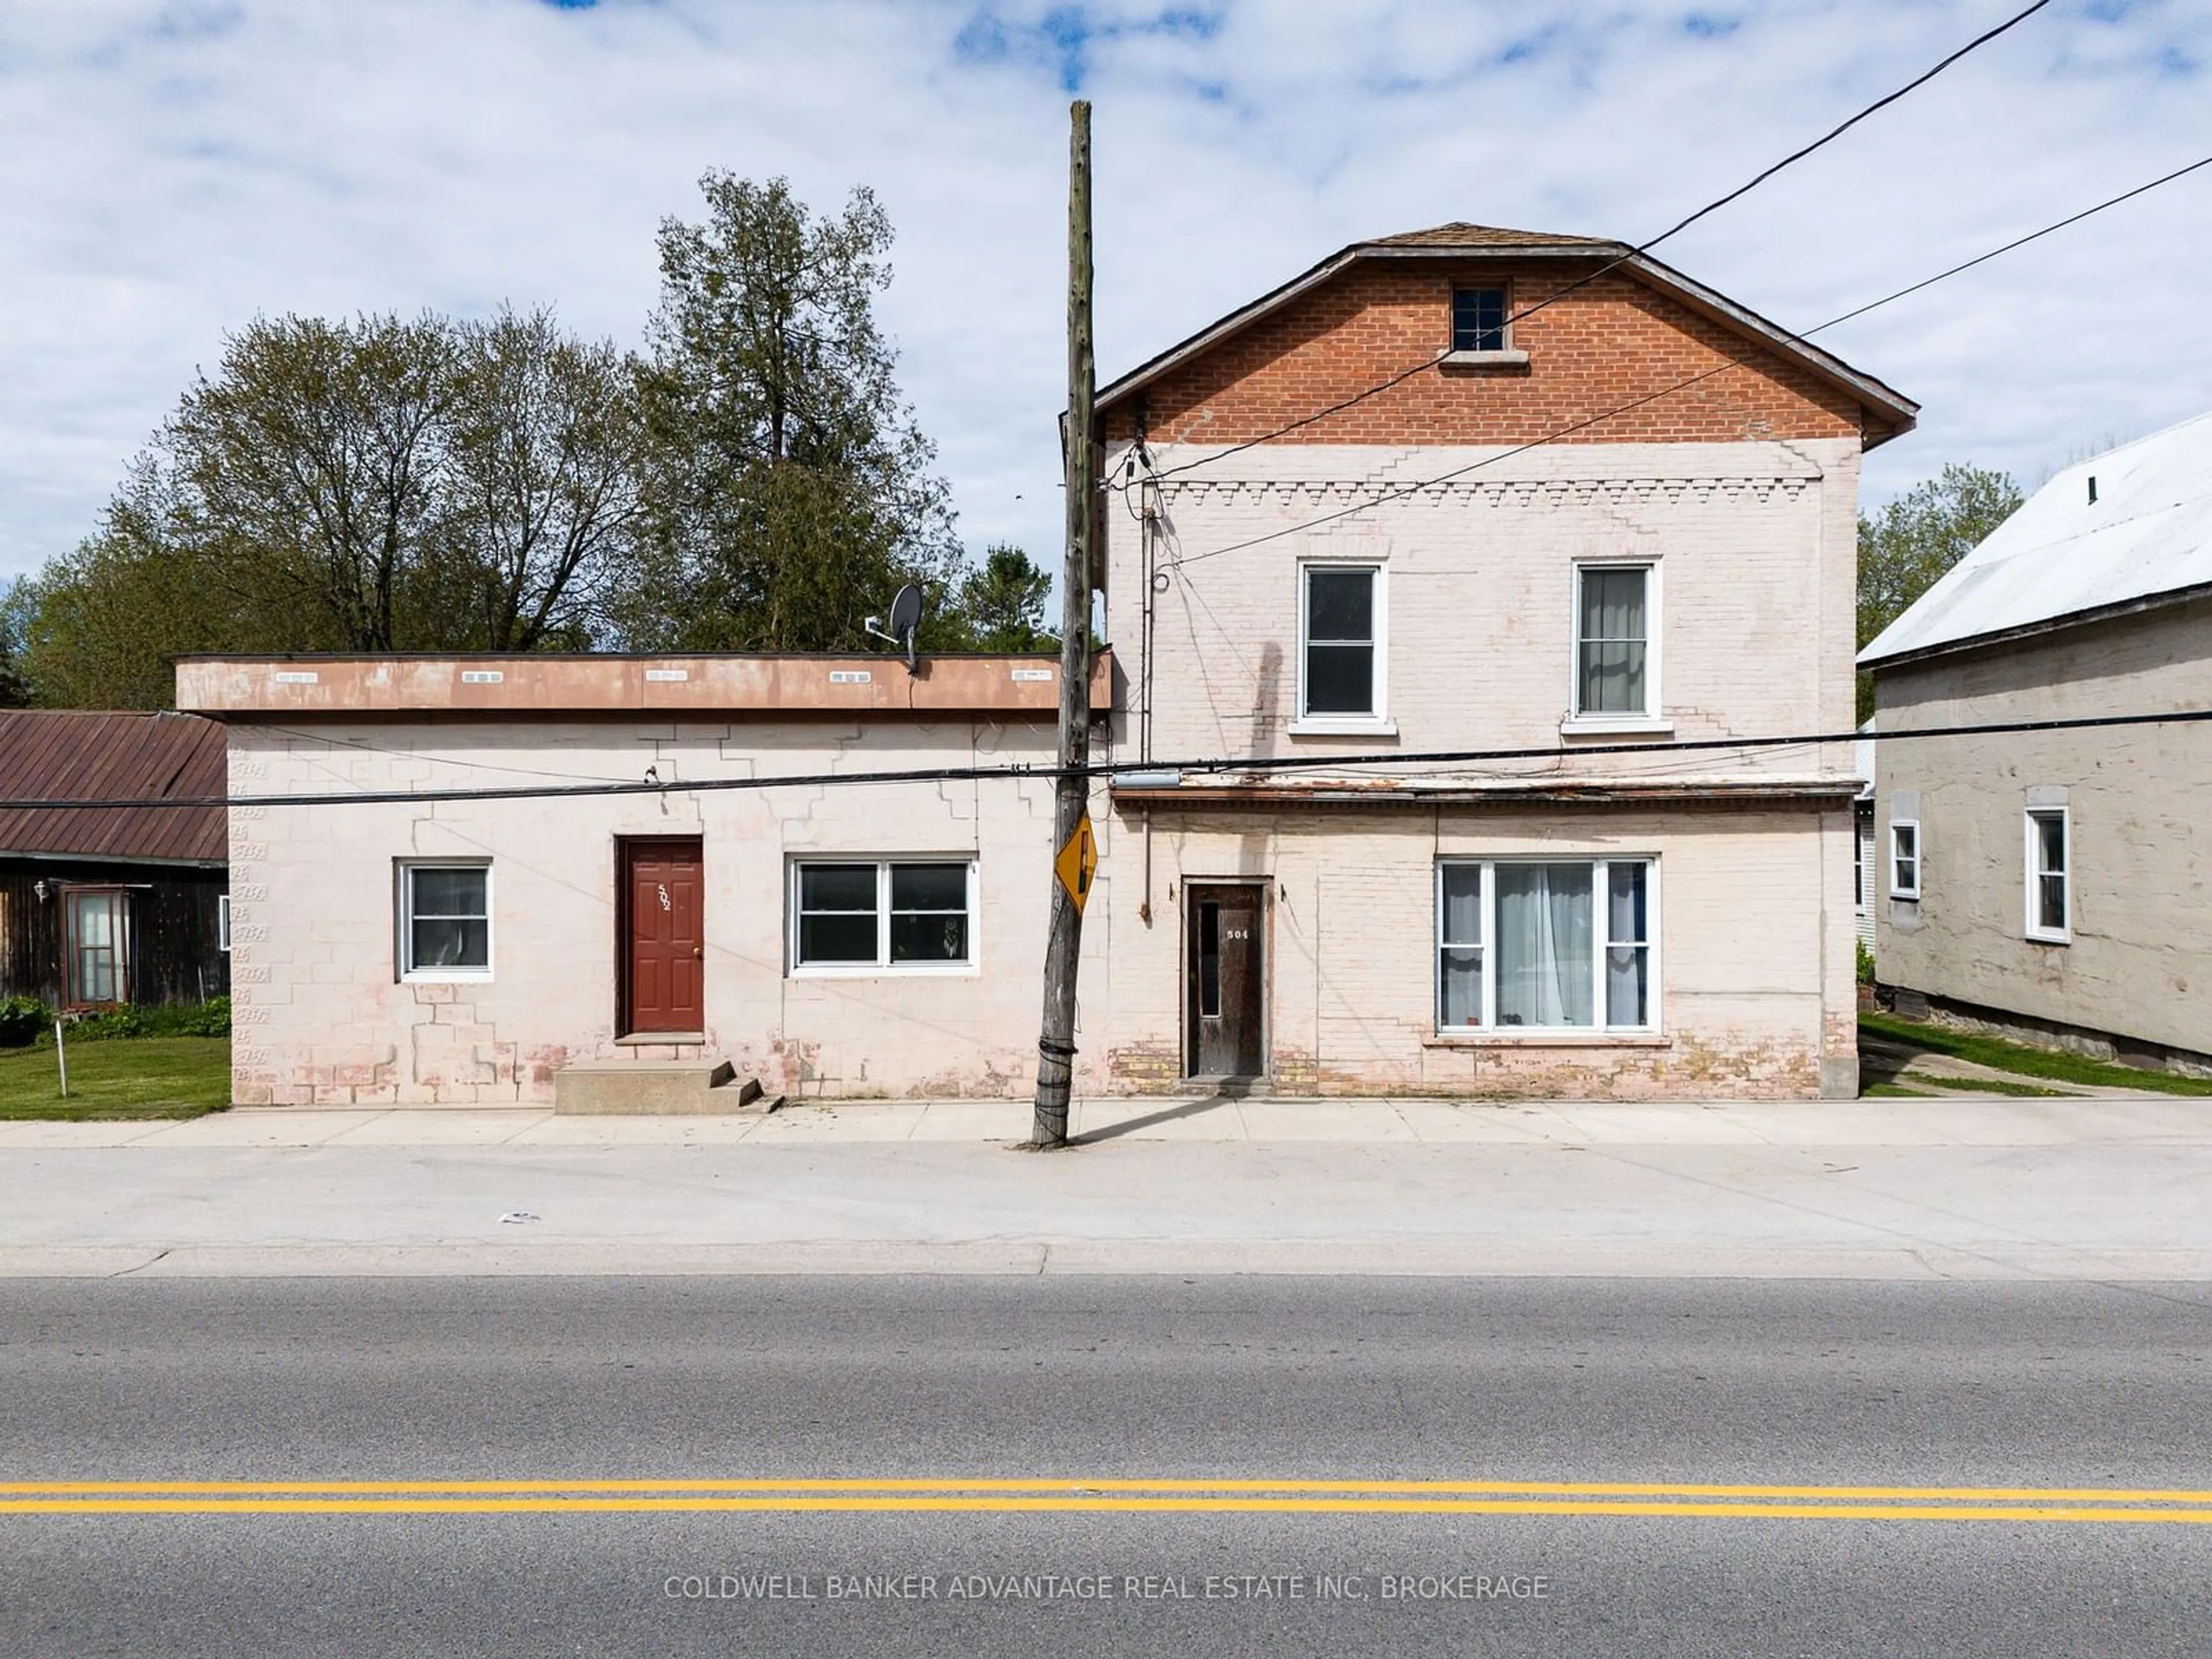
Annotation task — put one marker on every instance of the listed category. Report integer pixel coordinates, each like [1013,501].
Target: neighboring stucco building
[1624,517]
[1628,517]
[2056,882]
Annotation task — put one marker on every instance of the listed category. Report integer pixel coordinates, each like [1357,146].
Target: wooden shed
[109,893]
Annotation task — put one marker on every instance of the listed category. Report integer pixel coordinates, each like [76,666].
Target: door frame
[119,946]
[625,848]
[1186,998]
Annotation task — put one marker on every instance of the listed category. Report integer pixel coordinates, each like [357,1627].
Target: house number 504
[1237,932]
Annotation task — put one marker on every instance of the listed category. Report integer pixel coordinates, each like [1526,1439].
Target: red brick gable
[1614,340]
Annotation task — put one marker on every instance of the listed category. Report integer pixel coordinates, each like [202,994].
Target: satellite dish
[906,617]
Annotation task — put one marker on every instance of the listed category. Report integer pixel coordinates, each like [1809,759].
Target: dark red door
[663,903]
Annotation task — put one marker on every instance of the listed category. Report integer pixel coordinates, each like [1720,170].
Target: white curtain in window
[1543,947]
[1612,641]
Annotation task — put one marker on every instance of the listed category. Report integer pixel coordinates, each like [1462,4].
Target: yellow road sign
[1077,862]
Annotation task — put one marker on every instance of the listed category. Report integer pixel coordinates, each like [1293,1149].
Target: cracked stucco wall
[2139,964]
[322,1019]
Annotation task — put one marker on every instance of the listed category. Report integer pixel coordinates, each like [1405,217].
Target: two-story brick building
[1463,491]
[1361,537]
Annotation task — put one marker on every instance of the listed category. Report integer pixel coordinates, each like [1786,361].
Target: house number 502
[664,897]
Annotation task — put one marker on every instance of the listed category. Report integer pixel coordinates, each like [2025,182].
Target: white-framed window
[445,919]
[1616,656]
[1343,637]
[2050,875]
[223,922]
[882,915]
[1559,945]
[1905,857]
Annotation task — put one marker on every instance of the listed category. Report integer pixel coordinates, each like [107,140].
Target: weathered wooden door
[664,929]
[1227,979]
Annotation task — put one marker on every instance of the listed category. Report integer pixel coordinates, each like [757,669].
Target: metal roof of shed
[2062,558]
[56,754]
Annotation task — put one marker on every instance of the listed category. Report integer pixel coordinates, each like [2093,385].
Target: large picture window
[445,920]
[1341,624]
[884,914]
[1615,661]
[1544,947]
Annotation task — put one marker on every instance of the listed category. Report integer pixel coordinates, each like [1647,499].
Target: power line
[1110,770]
[1615,263]
[1569,430]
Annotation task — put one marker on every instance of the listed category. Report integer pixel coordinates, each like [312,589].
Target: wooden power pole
[1075,857]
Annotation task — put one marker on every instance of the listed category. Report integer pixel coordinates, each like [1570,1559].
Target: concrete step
[645,1088]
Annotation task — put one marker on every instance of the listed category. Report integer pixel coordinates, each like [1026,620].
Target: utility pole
[1074,856]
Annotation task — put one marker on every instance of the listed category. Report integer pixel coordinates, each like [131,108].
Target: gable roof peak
[1461,233]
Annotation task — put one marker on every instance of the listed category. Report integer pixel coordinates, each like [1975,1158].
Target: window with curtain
[1341,618]
[1544,946]
[1613,639]
[445,919]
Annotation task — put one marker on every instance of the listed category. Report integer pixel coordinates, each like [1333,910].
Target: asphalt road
[1776,1385]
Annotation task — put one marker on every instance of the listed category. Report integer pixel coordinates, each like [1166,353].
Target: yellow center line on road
[1080,1488]
[1010,1504]
[2184,1506]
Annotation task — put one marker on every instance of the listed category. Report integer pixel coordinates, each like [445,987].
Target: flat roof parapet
[546,684]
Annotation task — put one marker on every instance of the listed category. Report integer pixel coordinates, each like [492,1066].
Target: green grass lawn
[127,1077]
[2024,1061]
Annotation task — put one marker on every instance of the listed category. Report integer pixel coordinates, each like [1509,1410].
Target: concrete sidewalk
[2099,1190]
[1949,1121]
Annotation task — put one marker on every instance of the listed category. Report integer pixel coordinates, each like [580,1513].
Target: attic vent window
[1478,320]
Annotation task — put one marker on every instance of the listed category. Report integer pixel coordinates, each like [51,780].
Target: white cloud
[167,170]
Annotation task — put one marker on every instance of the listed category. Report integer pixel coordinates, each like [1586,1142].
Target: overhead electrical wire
[1713,206]
[1403,490]
[1110,770]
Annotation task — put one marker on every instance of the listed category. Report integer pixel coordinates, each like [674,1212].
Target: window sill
[1487,1037]
[1322,727]
[1485,360]
[886,970]
[2050,939]
[1911,898]
[446,976]
[1616,726]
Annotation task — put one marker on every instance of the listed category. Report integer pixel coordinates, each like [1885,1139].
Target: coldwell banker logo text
[1107,1587]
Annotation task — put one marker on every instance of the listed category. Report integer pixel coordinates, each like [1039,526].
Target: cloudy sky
[170,167]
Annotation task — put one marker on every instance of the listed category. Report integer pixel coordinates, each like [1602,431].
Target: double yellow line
[954,1496]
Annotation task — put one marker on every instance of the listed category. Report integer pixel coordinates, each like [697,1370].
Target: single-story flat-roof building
[444,925]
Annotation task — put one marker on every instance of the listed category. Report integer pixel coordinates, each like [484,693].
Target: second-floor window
[1341,643]
[1614,634]
[1478,320]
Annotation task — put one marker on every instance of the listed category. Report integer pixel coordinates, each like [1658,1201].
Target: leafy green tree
[999,606]
[1913,540]
[372,486]
[788,490]
[15,606]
